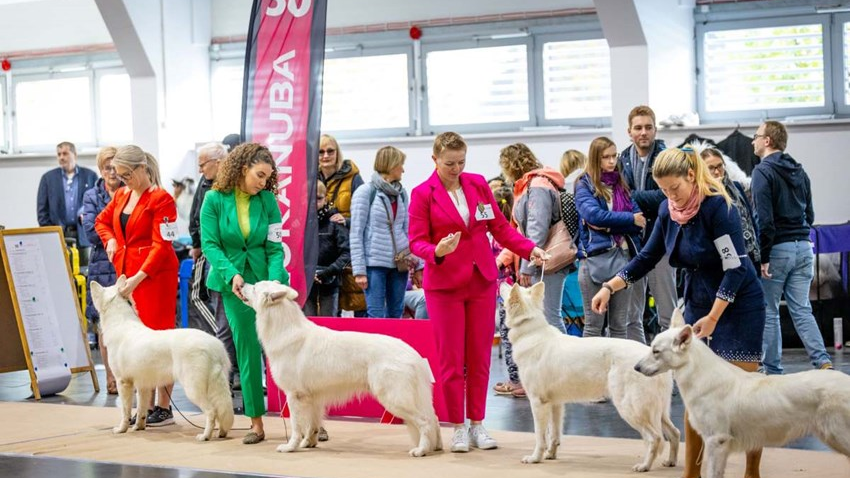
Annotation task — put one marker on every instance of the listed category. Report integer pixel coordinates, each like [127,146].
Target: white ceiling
[45,24]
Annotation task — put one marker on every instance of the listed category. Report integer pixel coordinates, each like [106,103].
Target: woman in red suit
[450,216]
[137,227]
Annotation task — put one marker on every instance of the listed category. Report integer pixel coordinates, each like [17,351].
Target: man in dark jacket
[783,196]
[60,196]
[207,303]
[637,162]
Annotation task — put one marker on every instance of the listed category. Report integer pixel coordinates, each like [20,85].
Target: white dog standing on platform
[317,367]
[145,359]
[556,368]
[734,410]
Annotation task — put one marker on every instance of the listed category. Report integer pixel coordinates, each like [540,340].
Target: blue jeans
[385,294]
[792,271]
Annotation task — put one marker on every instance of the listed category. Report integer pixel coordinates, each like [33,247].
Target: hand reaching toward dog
[130,285]
[539,256]
[238,282]
[704,327]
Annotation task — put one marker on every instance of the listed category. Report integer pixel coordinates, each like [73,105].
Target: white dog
[556,368]
[734,410]
[145,359]
[317,367]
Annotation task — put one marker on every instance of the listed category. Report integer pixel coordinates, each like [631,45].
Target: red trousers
[464,322]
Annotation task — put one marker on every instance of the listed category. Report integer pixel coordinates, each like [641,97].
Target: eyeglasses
[716,168]
[757,136]
[126,176]
[108,169]
[330,152]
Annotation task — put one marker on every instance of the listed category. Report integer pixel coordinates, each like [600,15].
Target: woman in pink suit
[450,216]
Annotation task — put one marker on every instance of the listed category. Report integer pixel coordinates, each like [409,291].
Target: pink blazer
[433,216]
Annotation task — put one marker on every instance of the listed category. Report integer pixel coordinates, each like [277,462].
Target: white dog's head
[266,293]
[522,303]
[105,299]
[668,351]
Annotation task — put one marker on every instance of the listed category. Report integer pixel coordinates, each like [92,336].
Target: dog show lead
[247,249]
[699,228]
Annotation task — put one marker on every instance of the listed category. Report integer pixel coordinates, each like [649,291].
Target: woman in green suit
[240,237]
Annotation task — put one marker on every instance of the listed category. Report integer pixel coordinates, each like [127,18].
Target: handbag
[403,258]
[560,247]
[606,265]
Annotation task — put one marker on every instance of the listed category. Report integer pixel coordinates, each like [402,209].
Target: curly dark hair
[245,155]
[516,160]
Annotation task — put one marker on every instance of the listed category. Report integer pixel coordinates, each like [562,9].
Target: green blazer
[228,252]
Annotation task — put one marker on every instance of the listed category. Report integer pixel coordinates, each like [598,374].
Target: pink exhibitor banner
[281,108]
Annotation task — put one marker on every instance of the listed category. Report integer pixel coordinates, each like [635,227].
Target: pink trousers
[464,322]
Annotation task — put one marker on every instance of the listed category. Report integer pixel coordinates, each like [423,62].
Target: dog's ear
[504,291]
[515,294]
[276,296]
[537,291]
[678,319]
[96,291]
[683,338]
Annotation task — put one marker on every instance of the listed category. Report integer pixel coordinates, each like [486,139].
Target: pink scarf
[684,214]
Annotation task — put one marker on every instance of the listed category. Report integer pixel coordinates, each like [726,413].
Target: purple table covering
[829,238]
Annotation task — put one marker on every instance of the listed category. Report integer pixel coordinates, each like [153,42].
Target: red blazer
[433,216]
[143,248]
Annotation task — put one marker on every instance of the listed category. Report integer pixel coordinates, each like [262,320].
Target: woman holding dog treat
[450,216]
[241,238]
[137,226]
[700,230]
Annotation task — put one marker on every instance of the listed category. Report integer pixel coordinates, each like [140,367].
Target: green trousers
[249,356]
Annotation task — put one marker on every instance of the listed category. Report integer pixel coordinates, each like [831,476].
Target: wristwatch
[605,285]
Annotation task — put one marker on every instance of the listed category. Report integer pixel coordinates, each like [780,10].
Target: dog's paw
[668,463]
[310,442]
[120,430]
[530,459]
[550,454]
[418,452]
[640,468]
[138,427]
[285,448]
[222,434]
[201,437]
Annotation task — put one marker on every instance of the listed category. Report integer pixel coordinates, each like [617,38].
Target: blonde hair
[593,168]
[132,157]
[105,154]
[326,138]
[231,172]
[677,162]
[448,141]
[516,160]
[321,189]
[572,160]
[388,158]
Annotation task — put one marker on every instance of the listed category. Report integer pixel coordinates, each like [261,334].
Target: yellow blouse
[243,201]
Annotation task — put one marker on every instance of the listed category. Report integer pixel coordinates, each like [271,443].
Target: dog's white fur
[556,369]
[734,410]
[316,367]
[145,359]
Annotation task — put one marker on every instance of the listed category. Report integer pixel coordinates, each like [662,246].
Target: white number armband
[168,230]
[275,232]
[728,254]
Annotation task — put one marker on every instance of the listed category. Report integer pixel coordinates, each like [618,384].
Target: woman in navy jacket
[608,219]
[700,229]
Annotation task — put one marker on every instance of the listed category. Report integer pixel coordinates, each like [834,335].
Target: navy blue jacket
[100,269]
[783,196]
[692,247]
[594,210]
[651,197]
[51,197]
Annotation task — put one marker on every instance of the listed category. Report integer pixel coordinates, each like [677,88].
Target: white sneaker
[460,440]
[479,438]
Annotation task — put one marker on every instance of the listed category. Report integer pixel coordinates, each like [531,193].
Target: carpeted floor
[356,449]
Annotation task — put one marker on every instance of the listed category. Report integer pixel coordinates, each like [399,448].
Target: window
[115,117]
[846,76]
[764,68]
[478,85]
[49,111]
[4,147]
[226,92]
[366,92]
[576,79]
